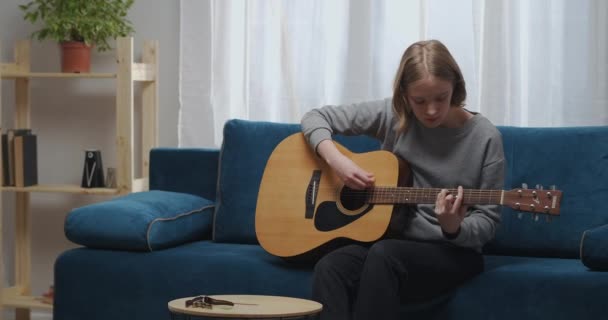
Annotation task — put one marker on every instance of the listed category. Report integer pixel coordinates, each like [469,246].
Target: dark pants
[360,282]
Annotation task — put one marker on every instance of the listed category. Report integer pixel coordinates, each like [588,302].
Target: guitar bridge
[311,194]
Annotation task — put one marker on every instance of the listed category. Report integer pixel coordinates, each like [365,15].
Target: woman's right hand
[348,171]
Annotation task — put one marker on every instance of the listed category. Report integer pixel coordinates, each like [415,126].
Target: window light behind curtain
[526,63]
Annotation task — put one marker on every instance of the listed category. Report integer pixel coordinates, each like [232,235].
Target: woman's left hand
[450,211]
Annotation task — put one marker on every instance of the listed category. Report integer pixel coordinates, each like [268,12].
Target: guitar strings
[394,195]
[418,194]
[404,190]
[413,191]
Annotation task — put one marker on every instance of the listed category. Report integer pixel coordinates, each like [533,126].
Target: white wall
[71,115]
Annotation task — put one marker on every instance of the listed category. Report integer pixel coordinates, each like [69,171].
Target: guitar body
[304,209]
[300,207]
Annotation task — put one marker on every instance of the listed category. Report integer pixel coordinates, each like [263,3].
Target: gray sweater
[470,156]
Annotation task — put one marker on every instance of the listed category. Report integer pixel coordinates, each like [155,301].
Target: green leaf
[90,21]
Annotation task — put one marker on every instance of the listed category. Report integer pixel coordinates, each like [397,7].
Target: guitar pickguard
[328,217]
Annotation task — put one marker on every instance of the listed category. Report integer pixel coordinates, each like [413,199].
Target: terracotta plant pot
[75,57]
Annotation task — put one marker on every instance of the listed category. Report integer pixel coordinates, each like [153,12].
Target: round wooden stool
[248,307]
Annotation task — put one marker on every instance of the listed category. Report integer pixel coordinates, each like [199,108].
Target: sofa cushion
[246,147]
[594,251]
[531,288]
[142,221]
[140,285]
[575,160]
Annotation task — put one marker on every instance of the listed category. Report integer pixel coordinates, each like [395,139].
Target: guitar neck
[407,195]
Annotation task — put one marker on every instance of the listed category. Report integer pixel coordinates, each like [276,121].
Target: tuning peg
[549,194]
[524,185]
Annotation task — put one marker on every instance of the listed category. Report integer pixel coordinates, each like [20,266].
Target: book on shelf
[19,158]
[26,161]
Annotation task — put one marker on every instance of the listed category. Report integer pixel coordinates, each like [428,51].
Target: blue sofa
[193,233]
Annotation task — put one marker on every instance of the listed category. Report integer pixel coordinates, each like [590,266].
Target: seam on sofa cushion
[218,190]
[169,219]
[581,244]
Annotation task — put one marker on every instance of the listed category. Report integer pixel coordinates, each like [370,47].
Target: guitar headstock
[537,201]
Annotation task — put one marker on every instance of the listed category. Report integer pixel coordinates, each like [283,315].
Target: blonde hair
[418,60]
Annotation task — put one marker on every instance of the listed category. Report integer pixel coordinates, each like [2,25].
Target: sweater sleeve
[481,222]
[369,118]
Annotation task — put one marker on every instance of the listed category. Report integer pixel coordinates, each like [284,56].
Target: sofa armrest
[185,170]
[594,252]
[141,221]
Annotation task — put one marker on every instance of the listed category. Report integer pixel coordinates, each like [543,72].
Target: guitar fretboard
[406,195]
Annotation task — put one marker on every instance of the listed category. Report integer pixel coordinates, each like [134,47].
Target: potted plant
[78,25]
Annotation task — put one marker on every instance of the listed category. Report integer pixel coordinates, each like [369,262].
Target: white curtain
[526,63]
[543,63]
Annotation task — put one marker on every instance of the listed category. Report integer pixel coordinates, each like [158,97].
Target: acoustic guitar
[303,205]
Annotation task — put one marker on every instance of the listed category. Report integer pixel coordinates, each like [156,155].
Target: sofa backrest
[246,147]
[575,160]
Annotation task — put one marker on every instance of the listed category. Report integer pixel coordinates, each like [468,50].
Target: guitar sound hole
[352,199]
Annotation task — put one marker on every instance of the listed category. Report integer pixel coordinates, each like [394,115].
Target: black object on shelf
[92,174]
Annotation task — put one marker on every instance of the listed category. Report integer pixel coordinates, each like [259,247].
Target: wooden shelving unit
[127,74]
[12,297]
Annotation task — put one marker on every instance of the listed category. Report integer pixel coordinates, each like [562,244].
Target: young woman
[433,248]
